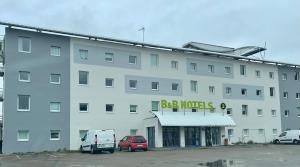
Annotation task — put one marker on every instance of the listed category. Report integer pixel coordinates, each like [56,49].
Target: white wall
[97,95]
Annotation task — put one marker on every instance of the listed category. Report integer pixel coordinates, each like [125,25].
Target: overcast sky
[232,23]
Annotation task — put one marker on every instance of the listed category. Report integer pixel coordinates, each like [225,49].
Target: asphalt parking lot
[223,156]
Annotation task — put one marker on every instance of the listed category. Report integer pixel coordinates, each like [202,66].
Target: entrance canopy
[193,119]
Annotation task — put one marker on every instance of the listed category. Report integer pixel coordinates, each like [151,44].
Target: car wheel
[81,149]
[295,142]
[276,141]
[119,148]
[93,149]
[112,151]
[145,149]
[130,149]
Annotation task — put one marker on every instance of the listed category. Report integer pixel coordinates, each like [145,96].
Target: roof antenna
[143,29]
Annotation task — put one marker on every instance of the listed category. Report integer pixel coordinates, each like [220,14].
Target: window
[132,84]
[273,113]
[297,95]
[245,132]
[259,112]
[54,134]
[174,64]
[83,77]
[83,107]
[132,59]
[54,51]
[55,78]
[24,76]
[54,106]
[229,111]
[155,105]
[24,44]
[194,86]
[272,91]
[154,60]
[133,108]
[258,92]
[244,92]
[174,86]
[133,131]
[257,73]
[228,90]
[271,75]
[211,68]
[82,133]
[261,132]
[109,82]
[296,75]
[230,132]
[23,135]
[243,70]
[23,103]
[298,111]
[193,66]
[286,113]
[83,54]
[227,70]
[194,110]
[109,107]
[284,76]
[109,57]
[285,95]
[274,131]
[245,110]
[174,109]
[155,85]
[211,89]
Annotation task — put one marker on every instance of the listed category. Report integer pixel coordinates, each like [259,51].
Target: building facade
[58,86]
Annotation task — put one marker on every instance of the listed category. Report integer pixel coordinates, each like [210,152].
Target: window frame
[174,64]
[107,56]
[154,60]
[113,108]
[23,140]
[87,108]
[157,105]
[196,86]
[245,92]
[228,68]
[86,57]
[260,114]
[246,110]
[271,75]
[273,115]
[228,90]
[57,83]
[59,135]
[286,113]
[55,111]
[20,44]
[211,90]
[297,95]
[211,68]
[243,71]
[29,76]
[87,77]
[135,59]
[285,95]
[258,73]
[133,105]
[18,107]
[284,76]
[112,82]
[55,47]
[135,81]
[177,87]
[229,109]
[157,86]
[193,66]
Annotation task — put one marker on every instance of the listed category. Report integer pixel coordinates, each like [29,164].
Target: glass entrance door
[151,137]
[171,137]
[212,136]
[192,136]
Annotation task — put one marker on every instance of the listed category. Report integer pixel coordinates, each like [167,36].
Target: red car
[132,143]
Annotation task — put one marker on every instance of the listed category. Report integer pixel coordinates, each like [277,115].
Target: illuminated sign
[183,104]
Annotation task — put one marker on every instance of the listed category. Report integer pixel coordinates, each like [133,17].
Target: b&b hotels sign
[183,104]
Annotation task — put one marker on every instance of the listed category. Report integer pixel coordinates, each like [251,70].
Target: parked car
[98,140]
[289,136]
[132,143]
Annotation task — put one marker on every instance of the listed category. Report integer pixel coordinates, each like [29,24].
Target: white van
[289,136]
[98,140]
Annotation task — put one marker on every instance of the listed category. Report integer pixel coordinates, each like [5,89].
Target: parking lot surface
[223,156]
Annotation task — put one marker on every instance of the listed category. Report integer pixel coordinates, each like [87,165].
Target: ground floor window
[55,135]
[171,136]
[192,136]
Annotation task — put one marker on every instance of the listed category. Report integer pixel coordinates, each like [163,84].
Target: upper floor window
[211,68]
[175,86]
[245,132]
[259,112]
[284,76]
[229,111]
[55,78]
[132,84]
[245,110]
[273,113]
[54,106]
[286,113]
[271,75]
[109,82]
[83,77]
[297,95]
[109,57]
[23,102]
[24,44]
[54,51]
[261,131]
[155,105]
[83,54]
[244,91]
[83,107]
[258,92]
[154,60]
[272,91]
[285,95]
[296,75]
[109,107]
[133,108]
[24,76]
[132,59]
[155,85]
[174,64]
[230,132]
[243,70]
[194,86]
[274,132]
[193,66]
[211,89]
[227,70]
[228,90]
[298,111]
[257,73]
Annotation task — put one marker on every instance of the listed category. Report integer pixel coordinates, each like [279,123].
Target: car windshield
[139,139]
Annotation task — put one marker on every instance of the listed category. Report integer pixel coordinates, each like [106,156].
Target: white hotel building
[59,84]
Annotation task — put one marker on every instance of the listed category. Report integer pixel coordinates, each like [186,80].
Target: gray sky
[232,23]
